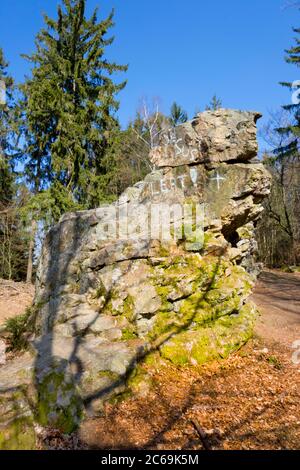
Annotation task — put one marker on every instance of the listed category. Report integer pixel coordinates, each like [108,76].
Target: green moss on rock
[59,403]
[140,381]
[128,308]
[218,289]
[129,333]
[16,420]
[18,435]
[213,341]
[108,374]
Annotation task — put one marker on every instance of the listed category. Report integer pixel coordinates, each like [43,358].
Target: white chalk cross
[218,179]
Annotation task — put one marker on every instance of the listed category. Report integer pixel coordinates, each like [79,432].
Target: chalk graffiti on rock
[181,150]
[218,180]
[165,185]
[194,176]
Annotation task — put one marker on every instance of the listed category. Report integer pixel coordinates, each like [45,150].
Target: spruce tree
[70,102]
[291,132]
[6,109]
[13,240]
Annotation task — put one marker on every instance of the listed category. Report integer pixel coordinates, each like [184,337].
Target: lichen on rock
[116,287]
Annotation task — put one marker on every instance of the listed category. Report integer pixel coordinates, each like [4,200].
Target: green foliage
[17,329]
[131,157]
[13,239]
[70,103]
[6,107]
[21,327]
[291,132]
[178,115]
[215,103]
[275,362]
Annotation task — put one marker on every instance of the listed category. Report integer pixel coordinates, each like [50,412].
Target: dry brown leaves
[249,401]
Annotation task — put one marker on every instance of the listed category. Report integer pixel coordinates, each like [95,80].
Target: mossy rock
[217,340]
[18,435]
[17,420]
[219,288]
[59,403]
[139,382]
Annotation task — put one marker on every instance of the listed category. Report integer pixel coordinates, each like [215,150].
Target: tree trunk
[30,252]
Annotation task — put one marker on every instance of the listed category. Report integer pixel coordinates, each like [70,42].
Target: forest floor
[15,297]
[249,401]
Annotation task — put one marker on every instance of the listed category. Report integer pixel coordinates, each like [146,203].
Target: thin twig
[201,434]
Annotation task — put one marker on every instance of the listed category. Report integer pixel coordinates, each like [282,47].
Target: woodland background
[62,147]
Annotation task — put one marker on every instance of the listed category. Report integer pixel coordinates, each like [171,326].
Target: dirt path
[277,295]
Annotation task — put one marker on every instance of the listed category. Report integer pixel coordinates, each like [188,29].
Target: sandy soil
[14,298]
[277,295]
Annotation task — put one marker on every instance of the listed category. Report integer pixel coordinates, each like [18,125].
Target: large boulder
[163,274]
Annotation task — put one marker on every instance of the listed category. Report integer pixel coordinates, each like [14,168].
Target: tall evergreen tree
[13,240]
[71,105]
[6,107]
[178,115]
[291,132]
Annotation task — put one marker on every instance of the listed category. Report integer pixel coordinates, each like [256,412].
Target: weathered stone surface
[17,395]
[2,352]
[16,373]
[119,283]
[212,137]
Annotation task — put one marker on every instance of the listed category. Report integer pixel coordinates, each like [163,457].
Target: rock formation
[163,274]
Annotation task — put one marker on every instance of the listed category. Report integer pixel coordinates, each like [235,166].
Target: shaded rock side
[163,274]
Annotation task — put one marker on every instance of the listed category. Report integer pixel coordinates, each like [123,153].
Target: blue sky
[181,50]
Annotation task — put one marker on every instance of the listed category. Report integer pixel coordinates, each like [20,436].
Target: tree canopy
[70,102]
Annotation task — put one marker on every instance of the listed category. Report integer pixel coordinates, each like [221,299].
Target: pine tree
[70,105]
[178,115]
[291,132]
[215,103]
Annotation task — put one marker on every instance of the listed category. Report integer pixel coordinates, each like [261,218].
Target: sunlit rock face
[163,274]
[224,135]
